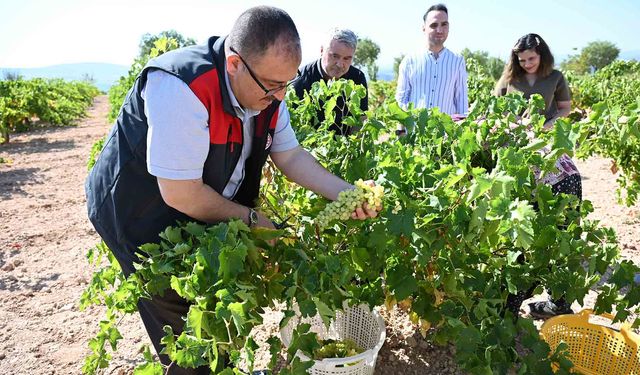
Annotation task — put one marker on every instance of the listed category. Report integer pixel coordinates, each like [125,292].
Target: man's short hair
[259,28]
[441,7]
[345,36]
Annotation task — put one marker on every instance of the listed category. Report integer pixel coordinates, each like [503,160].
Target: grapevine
[449,248]
[348,201]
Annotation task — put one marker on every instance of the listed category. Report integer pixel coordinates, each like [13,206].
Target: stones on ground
[8,267]
[411,342]
[11,265]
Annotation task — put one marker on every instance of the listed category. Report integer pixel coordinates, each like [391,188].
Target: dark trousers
[156,312]
[159,312]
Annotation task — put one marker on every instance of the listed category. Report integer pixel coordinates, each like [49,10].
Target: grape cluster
[348,201]
[337,349]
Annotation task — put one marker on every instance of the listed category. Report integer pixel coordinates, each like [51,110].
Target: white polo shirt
[178,135]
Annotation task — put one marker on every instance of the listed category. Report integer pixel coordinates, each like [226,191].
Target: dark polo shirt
[553,89]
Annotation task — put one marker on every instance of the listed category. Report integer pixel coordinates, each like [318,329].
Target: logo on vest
[269,141]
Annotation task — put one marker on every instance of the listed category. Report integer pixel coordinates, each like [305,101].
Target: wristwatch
[253,217]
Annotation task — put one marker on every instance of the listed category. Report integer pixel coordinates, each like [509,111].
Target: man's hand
[263,221]
[548,125]
[365,212]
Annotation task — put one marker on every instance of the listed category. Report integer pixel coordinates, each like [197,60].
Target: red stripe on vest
[274,120]
[223,127]
[260,123]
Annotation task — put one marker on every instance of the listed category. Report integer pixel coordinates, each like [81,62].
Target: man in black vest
[335,63]
[190,142]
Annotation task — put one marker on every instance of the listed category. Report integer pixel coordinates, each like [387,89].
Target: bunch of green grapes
[337,349]
[348,201]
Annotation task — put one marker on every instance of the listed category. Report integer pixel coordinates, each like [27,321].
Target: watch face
[253,216]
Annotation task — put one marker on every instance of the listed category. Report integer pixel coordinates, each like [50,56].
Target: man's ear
[321,50]
[233,64]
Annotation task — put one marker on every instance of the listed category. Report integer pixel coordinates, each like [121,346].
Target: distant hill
[386,74]
[104,75]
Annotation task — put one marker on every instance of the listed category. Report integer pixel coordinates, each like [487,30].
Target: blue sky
[36,33]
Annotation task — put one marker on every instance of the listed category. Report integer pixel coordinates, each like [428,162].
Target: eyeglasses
[267,92]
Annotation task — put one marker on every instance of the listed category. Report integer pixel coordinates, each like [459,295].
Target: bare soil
[43,270]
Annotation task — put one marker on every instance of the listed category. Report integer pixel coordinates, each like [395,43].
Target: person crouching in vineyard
[530,71]
[189,145]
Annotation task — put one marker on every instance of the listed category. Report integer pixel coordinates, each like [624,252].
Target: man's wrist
[252,217]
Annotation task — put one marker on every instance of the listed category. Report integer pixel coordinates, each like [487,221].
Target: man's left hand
[365,212]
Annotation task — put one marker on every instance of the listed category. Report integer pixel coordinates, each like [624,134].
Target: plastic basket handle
[367,354]
[625,327]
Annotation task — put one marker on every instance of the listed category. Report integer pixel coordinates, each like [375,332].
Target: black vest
[124,200]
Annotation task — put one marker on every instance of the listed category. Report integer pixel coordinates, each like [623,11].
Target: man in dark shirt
[335,63]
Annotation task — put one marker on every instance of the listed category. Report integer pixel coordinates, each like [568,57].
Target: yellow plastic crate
[594,349]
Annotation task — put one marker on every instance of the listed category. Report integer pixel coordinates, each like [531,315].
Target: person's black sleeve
[299,87]
[364,102]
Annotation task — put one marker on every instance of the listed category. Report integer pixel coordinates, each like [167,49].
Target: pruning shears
[282,225]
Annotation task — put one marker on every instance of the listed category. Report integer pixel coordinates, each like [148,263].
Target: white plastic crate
[357,323]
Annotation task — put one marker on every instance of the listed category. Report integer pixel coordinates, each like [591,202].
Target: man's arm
[364,102]
[302,168]
[403,89]
[199,201]
[461,98]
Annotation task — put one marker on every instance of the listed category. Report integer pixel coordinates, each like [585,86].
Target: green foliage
[493,66]
[381,93]
[9,75]
[480,83]
[148,41]
[595,56]
[600,54]
[367,52]
[608,101]
[52,101]
[324,97]
[613,131]
[457,234]
[107,287]
[575,64]
[617,83]
[95,152]
[396,65]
